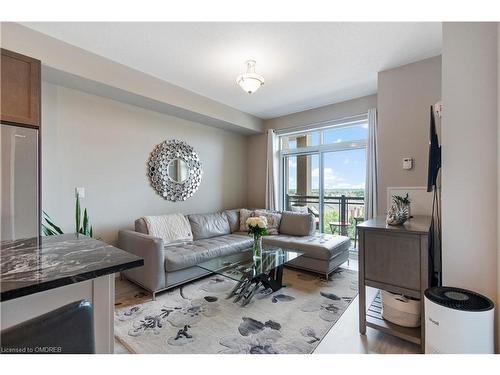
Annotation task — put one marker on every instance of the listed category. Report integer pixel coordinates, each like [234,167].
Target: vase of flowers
[257,226]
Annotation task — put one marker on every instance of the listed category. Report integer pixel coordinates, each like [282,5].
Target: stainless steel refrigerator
[20,204]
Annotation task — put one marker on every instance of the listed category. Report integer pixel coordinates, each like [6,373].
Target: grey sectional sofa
[218,234]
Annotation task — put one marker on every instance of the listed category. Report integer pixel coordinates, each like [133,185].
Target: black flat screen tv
[434,155]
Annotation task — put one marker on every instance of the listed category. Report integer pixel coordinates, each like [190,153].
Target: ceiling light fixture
[250,81]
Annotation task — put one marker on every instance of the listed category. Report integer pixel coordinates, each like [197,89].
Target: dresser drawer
[392,259]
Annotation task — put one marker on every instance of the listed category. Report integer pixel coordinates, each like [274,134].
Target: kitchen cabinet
[20,89]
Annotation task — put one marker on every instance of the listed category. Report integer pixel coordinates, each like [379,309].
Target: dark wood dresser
[396,259]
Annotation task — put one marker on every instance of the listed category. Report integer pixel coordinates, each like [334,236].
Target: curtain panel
[272,171]
[371,166]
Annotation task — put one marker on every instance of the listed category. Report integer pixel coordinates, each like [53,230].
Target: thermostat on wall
[407,163]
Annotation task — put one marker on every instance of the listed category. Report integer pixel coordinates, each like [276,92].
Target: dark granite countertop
[36,264]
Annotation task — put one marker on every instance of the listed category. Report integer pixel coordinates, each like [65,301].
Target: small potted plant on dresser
[399,211]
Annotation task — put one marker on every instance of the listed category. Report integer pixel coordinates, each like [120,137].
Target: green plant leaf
[47,231]
[54,227]
[49,228]
[77,215]
[85,225]
[91,231]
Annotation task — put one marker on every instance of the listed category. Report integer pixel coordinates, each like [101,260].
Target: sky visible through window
[342,169]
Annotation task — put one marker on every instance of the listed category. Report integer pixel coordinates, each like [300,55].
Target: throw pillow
[233,216]
[273,220]
[244,215]
[209,225]
[297,224]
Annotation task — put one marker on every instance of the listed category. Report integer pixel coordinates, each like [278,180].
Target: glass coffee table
[252,274]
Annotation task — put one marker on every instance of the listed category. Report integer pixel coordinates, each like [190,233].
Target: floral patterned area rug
[197,318]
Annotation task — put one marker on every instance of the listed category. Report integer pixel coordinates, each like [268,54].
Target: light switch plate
[80,192]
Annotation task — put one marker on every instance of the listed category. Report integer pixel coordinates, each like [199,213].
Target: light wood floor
[343,338]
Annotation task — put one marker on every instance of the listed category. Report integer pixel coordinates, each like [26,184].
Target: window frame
[319,150]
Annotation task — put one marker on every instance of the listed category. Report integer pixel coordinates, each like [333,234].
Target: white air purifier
[458,321]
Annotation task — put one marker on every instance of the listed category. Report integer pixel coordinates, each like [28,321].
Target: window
[344,134]
[323,172]
[300,140]
[302,183]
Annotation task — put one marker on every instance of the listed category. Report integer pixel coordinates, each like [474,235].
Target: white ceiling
[305,65]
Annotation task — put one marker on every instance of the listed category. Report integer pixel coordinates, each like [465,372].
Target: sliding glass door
[302,184]
[323,173]
[343,190]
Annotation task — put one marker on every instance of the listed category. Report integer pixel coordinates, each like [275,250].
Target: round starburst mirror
[174,169]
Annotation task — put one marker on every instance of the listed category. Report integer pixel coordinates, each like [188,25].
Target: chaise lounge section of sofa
[218,234]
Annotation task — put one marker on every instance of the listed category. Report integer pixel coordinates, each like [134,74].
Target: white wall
[334,111]
[103,145]
[404,97]
[470,161]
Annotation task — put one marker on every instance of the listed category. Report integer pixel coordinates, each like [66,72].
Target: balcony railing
[341,209]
